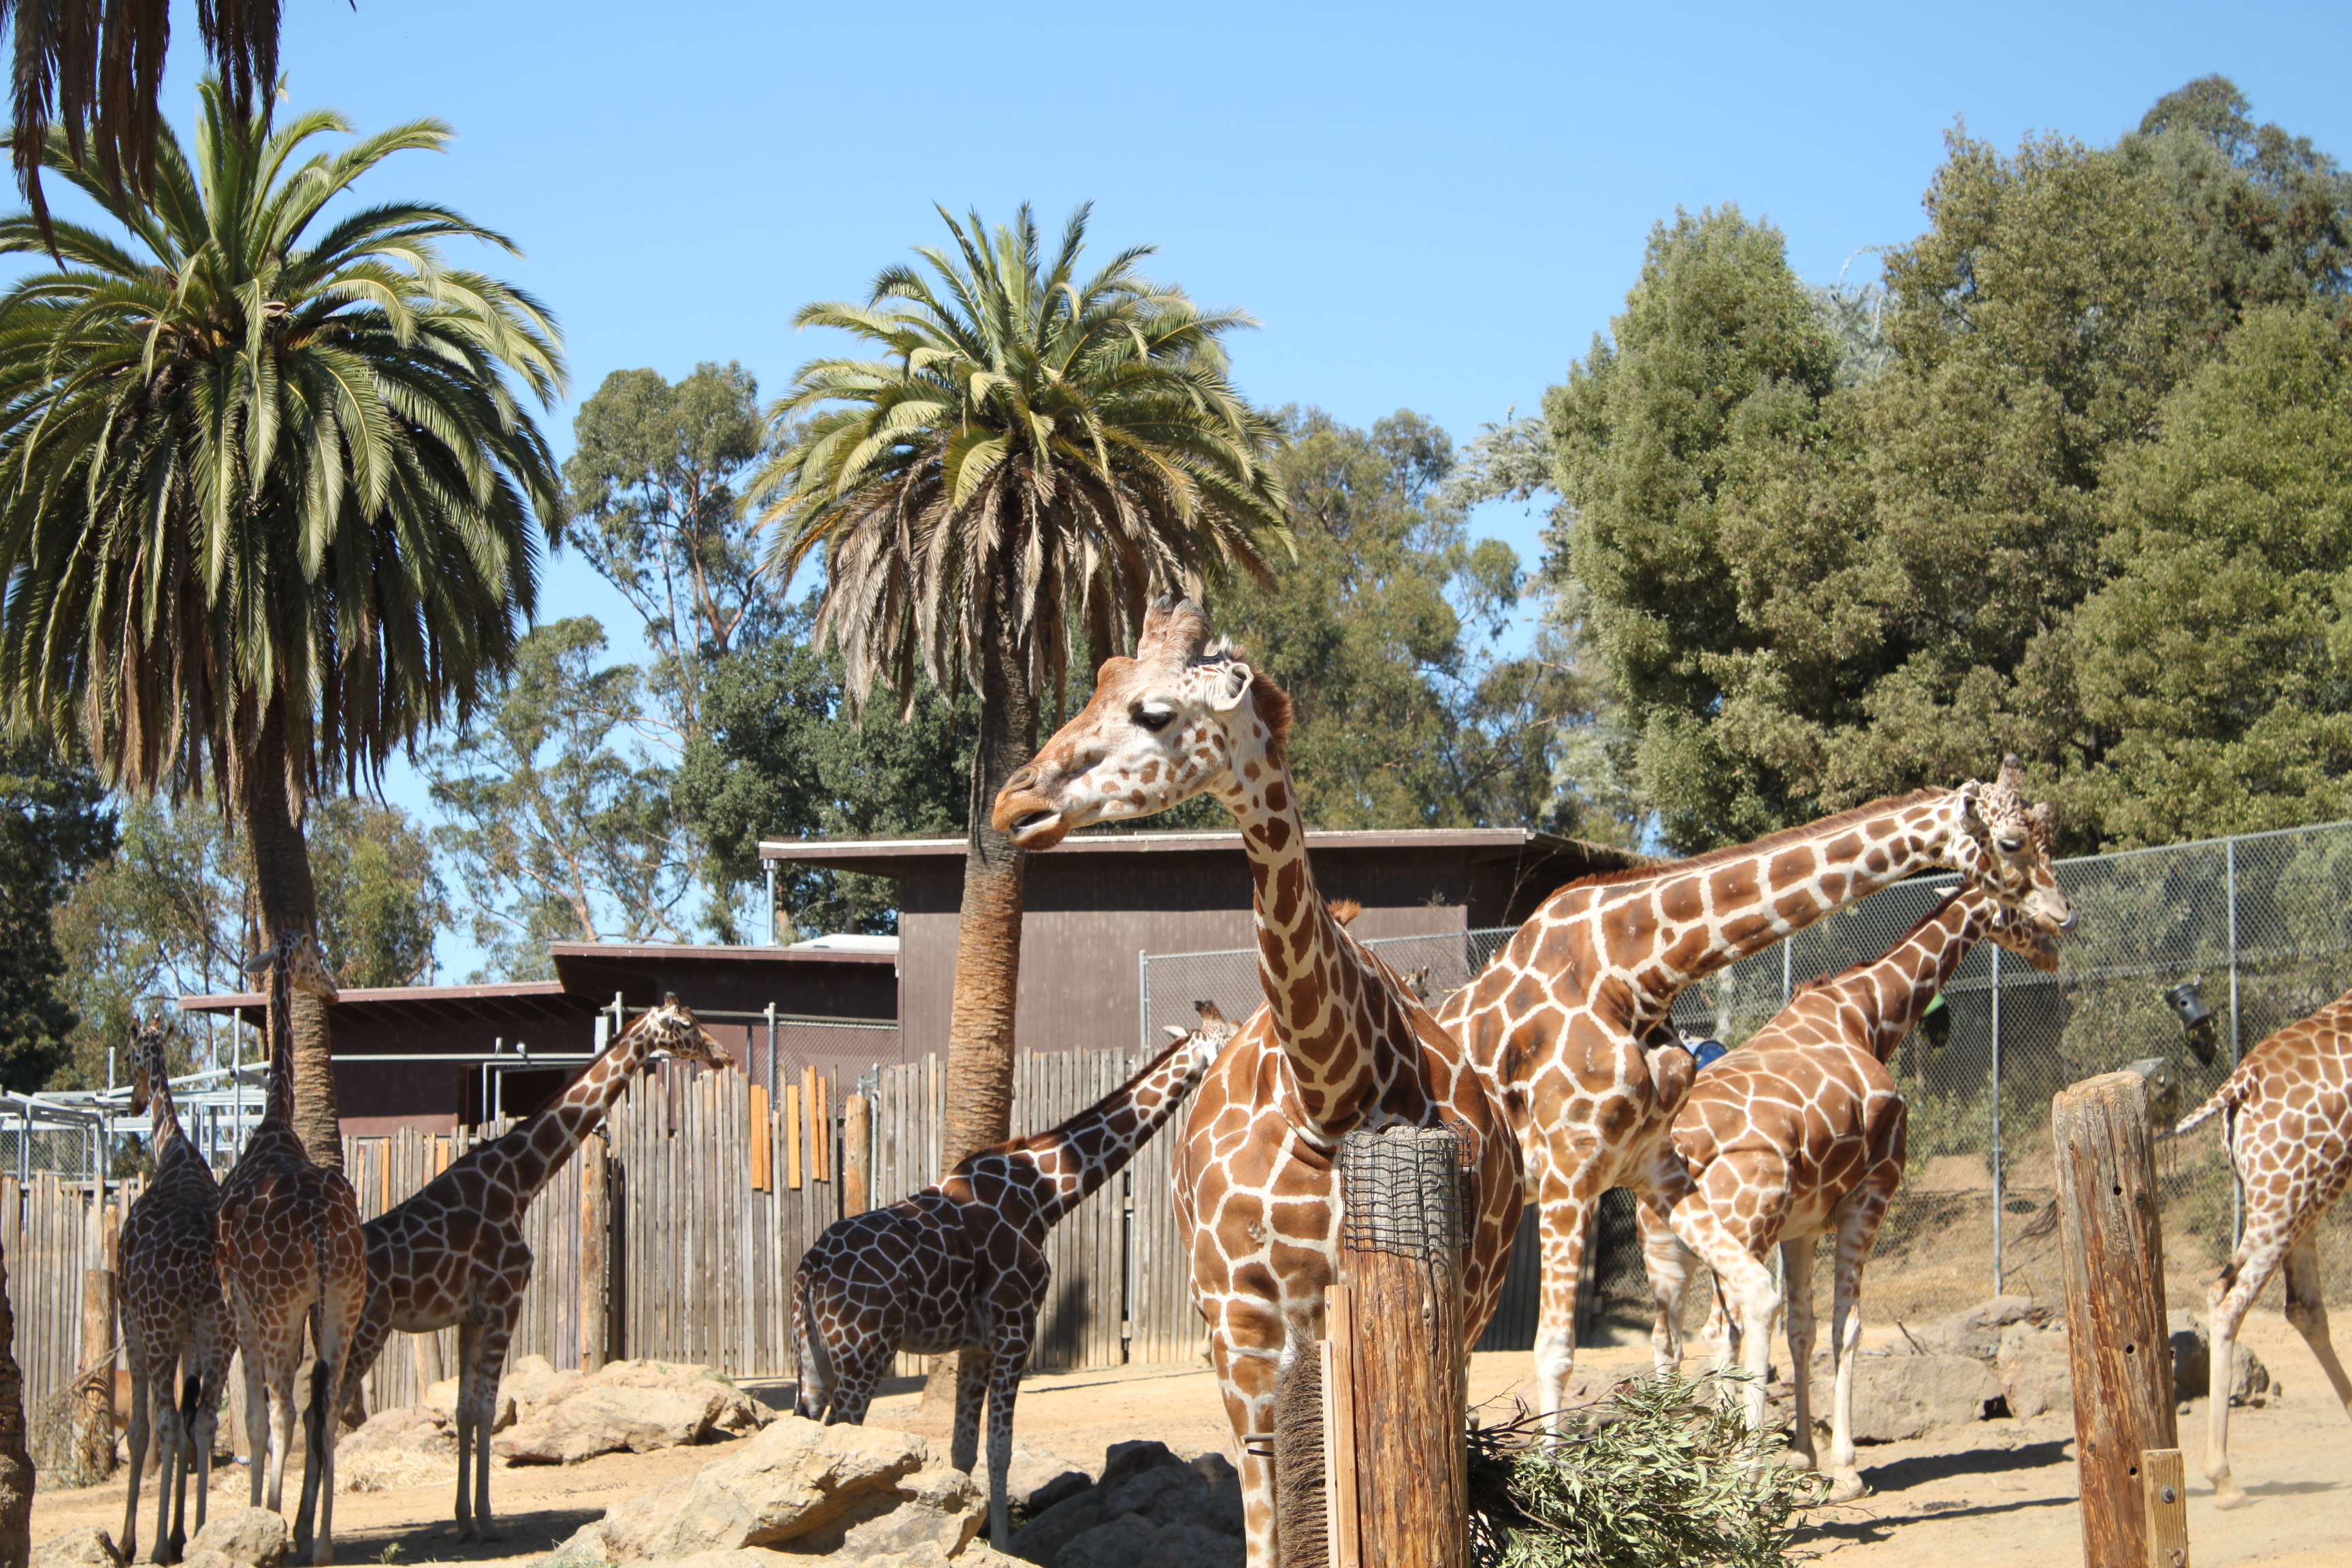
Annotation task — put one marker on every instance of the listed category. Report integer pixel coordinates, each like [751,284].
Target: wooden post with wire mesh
[1371,1465]
[2111,1246]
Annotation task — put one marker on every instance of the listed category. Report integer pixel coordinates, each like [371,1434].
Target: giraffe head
[2001,845]
[149,1068]
[674,1031]
[1175,720]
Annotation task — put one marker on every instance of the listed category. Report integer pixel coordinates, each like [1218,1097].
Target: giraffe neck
[279,1112]
[1082,1153]
[1682,925]
[162,1116]
[538,1149]
[1313,979]
[1892,993]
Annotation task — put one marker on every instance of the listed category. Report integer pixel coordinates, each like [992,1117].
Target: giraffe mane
[1773,840]
[1830,976]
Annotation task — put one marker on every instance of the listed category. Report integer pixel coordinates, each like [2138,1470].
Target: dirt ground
[2001,1492]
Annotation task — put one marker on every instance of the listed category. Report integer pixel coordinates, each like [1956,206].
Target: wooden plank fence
[711,1190]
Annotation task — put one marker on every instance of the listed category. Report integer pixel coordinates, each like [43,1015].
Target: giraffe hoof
[2230,1496]
[1847,1487]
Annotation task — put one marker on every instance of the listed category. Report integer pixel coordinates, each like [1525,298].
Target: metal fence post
[1999,1274]
[2230,902]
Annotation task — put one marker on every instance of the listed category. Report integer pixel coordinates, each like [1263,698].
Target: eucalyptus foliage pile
[1661,1472]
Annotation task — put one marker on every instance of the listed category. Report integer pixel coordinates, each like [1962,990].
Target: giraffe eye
[1154,719]
[2009,843]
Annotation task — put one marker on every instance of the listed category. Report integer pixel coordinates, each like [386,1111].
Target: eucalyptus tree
[266,493]
[1031,457]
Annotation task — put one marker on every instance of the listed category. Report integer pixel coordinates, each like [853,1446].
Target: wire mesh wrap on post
[1401,1191]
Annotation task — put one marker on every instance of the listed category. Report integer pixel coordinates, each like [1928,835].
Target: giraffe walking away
[959,1268]
[173,1323]
[454,1254]
[2286,1115]
[1342,1042]
[1799,1133]
[292,1255]
[1571,1023]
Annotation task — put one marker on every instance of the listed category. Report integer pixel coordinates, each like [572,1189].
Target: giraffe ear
[1230,686]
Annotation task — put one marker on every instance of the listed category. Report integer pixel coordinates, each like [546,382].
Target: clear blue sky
[1426,206]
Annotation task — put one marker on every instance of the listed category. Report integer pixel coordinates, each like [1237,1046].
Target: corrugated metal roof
[901,854]
[362,996]
[693,952]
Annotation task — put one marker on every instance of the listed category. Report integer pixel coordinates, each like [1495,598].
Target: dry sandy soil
[1999,1492]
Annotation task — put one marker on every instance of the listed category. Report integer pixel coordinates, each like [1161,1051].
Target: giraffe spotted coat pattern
[1571,1023]
[959,1268]
[1799,1133]
[174,1326]
[1342,1042]
[453,1255]
[292,1255]
[2286,1115]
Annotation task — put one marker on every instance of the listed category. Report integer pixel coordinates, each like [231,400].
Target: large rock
[2192,1365]
[2037,1373]
[1042,1540]
[939,1509]
[794,1480]
[1134,1541]
[634,1405]
[1975,1331]
[441,1400]
[88,1547]
[1122,1461]
[1906,1396]
[533,1380]
[1036,1474]
[253,1537]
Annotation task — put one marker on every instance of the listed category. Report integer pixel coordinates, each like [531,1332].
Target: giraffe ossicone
[960,1268]
[1342,1042]
[454,1254]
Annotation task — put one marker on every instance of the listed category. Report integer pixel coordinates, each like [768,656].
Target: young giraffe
[960,1265]
[173,1331]
[1342,1042]
[1572,1021]
[292,1254]
[2287,1124]
[454,1253]
[1800,1133]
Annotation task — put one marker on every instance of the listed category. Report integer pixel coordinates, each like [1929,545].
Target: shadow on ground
[541,1529]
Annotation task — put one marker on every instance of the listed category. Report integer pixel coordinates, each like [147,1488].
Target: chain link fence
[2262,924]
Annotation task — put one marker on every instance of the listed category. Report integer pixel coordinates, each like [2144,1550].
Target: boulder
[1042,1540]
[1063,1487]
[532,1380]
[2037,1373]
[1163,1494]
[1134,1541]
[639,1406]
[441,1399]
[404,1447]
[1123,1460]
[938,1507]
[1975,1331]
[88,1547]
[2192,1365]
[1900,1397]
[252,1537]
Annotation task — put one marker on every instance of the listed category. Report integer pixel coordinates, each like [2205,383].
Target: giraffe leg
[256,1419]
[1008,1359]
[471,1427]
[1748,1288]
[1857,1226]
[1245,1373]
[1566,1209]
[2259,1253]
[971,1392]
[857,1369]
[1797,1292]
[141,1379]
[1668,1263]
[482,1386]
[2307,1310]
[203,1425]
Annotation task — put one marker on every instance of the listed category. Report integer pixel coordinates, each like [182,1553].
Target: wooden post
[2164,1488]
[93,1412]
[856,1153]
[1397,1382]
[2111,1246]
[424,1350]
[595,1282]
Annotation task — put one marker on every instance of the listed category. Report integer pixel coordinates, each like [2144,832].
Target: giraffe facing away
[960,1267]
[292,1255]
[1799,1133]
[174,1326]
[1572,1021]
[2286,1113]
[1342,1042]
[454,1255]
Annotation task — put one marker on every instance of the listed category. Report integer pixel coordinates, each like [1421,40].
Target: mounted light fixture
[2187,1005]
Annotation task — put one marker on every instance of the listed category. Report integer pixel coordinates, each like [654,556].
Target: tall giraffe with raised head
[1572,1021]
[2286,1115]
[1799,1133]
[453,1255]
[174,1329]
[292,1255]
[1342,1042]
[959,1268]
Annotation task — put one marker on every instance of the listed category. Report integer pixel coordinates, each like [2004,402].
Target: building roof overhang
[917,856]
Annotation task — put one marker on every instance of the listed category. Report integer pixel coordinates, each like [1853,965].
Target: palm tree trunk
[16,1463]
[288,902]
[988,939]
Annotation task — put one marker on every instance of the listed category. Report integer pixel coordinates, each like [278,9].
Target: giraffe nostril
[1023,779]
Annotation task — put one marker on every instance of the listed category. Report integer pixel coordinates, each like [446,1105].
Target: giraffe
[1799,1133]
[2286,1113]
[454,1253]
[1342,1042]
[292,1254]
[960,1265]
[174,1328]
[1572,1021]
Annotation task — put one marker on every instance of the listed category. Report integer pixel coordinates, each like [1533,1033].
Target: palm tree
[1034,458]
[265,505]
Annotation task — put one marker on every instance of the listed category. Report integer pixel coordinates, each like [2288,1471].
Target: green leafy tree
[781,756]
[560,825]
[1035,454]
[52,826]
[265,494]
[381,897]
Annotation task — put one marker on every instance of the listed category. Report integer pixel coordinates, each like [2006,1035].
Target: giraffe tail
[2226,1098]
[814,1361]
